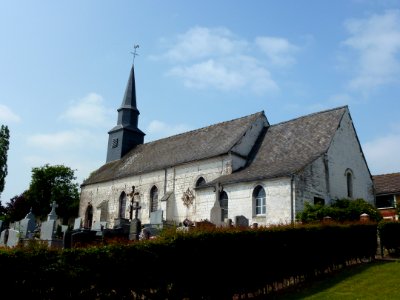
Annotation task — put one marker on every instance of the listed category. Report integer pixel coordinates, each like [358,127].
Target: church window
[153,199]
[122,205]
[201,181]
[319,201]
[114,143]
[349,181]
[385,201]
[259,200]
[223,203]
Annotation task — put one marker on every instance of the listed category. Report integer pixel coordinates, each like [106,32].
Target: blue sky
[64,66]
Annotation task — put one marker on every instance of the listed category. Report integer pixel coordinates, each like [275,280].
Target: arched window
[223,203]
[89,216]
[122,205]
[349,179]
[153,199]
[201,181]
[259,200]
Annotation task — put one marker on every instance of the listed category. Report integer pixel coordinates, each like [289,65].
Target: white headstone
[13,238]
[47,230]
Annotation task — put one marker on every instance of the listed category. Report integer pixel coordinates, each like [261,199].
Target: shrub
[341,210]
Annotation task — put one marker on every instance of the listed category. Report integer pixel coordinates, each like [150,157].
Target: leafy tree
[4,144]
[17,208]
[54,183]
[341,210]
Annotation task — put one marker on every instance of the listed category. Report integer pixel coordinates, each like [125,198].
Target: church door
[89,216]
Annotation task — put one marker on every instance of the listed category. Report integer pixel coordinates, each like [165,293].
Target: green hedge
[200,264]
[389,233]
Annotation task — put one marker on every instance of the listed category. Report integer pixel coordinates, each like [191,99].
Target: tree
[54,183]
[4,144]
[17,208]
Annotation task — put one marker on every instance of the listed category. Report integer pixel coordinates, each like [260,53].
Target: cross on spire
[134,54]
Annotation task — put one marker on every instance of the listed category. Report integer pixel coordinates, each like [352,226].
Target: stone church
[242,171]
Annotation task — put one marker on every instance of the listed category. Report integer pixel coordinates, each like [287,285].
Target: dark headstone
[135,229]
[241,221]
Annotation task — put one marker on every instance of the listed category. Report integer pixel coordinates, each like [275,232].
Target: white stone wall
[311,182]
[176,180]
[278,201]
[346,153]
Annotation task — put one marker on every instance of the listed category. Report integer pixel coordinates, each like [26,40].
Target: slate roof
[289,146]
[190,146]
[387,183]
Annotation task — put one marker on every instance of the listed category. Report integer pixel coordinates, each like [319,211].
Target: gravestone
[134,230]
[241,221]
[156,217]
[13,238]
[52,215]
[99,227]
[3,238]
[77,223]
[136,224]
[47,230]
[27,226]
[215,216]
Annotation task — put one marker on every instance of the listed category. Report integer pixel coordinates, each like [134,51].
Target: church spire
[126,135]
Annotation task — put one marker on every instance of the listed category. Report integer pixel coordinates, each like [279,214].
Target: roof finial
[134,53]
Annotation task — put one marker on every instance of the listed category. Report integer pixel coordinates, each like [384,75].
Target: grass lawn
[375,280]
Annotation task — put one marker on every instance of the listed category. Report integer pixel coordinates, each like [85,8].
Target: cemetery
[55,235]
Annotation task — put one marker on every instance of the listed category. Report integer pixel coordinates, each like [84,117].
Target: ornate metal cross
[134,52]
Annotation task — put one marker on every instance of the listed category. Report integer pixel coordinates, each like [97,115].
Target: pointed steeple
[126,135]
[128,113]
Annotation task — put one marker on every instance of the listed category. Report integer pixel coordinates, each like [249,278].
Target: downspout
[327,180]
[165,181]
[291,199]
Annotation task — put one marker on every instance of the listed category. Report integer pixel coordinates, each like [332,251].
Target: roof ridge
[385,174]
[311,114]
[202,128]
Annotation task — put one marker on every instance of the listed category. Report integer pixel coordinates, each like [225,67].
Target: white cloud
[7,115]
[377,41]
[88,111]
[65,140]
[202,42]
[278,50]
[217,58]
[158,129]
[382,154]
[226,75]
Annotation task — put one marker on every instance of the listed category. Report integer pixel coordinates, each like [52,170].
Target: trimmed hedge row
[389,233]
[212,264]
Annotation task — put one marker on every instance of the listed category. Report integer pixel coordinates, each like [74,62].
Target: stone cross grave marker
[52,215]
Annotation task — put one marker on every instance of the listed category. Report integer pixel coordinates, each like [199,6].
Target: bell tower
[126,135]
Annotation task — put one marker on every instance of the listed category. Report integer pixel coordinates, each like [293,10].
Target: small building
[387,192]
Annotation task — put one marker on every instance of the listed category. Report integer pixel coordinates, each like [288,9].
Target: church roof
[289,146]
[190,146]
[387,183]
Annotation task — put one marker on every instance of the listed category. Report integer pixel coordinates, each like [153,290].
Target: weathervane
[134,53]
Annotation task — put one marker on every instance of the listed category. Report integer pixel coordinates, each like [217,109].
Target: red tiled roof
[387,183]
